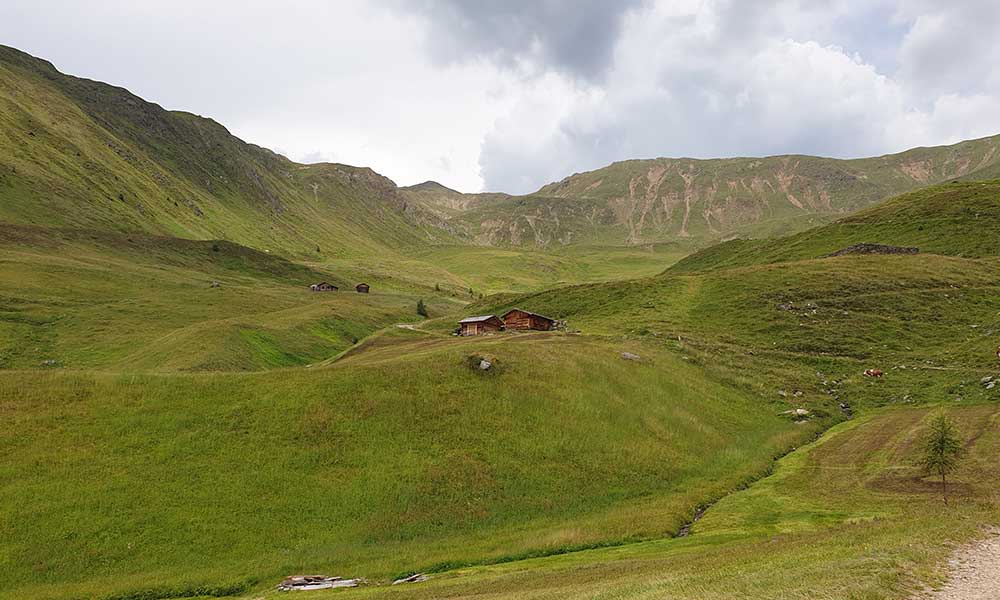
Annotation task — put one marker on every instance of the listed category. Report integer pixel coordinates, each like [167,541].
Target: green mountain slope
[698,201]
[79,153]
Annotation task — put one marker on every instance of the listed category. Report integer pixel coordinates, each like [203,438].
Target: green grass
[955,219]
[117,483]
[135,302]
[162,437]
[849,516]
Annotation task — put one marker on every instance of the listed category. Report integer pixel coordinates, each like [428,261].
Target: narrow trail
[975,572]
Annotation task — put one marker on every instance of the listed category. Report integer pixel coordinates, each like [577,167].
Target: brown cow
[873,373]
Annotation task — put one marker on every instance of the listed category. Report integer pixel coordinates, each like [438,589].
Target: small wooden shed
[323,287]
[480,325]
[362,288]
[523,320]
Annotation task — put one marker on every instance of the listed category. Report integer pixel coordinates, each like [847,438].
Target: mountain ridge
[81,153]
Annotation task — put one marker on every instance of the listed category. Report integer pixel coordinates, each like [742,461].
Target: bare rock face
[874,249]
[630,356]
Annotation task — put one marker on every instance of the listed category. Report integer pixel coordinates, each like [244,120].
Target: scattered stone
[783,393]
[785,306]
[797,394]
[215,284]
[415,578]
[991,385]
[51,363]
[874,249]
[485,365]
[797,412]
[986,379]
[316,582]
[630,356]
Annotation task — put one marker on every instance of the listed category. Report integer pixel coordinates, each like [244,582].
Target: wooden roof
[479,319]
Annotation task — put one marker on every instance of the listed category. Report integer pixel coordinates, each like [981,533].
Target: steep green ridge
[79,153]
[955,219]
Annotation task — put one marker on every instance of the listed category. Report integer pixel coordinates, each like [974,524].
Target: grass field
[132,475]
[120,483]
[849,516]
[111,301]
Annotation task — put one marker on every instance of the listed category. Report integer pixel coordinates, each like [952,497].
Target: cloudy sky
[511,95]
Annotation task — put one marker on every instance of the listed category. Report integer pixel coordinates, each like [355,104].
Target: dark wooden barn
[362,288]
[323,287]
[523,320]
[480,325]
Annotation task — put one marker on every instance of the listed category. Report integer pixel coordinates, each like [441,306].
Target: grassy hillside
[932,324]
[118,484]
[89,299]
[955,219]
[79,153]
[847,517]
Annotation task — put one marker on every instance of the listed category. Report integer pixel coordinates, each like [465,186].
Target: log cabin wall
[521,320]
[518,319]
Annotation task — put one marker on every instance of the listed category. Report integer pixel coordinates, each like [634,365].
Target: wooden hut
[480,325]
[523,320]
[362,288]
[323,287]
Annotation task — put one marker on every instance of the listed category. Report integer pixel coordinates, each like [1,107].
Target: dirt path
[975,572]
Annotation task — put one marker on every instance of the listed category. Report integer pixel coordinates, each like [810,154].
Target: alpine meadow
[228,374]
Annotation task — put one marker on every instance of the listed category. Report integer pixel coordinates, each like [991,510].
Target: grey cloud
[951,47]
[572,36]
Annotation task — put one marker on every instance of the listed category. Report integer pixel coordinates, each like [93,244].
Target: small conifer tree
[941,450]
